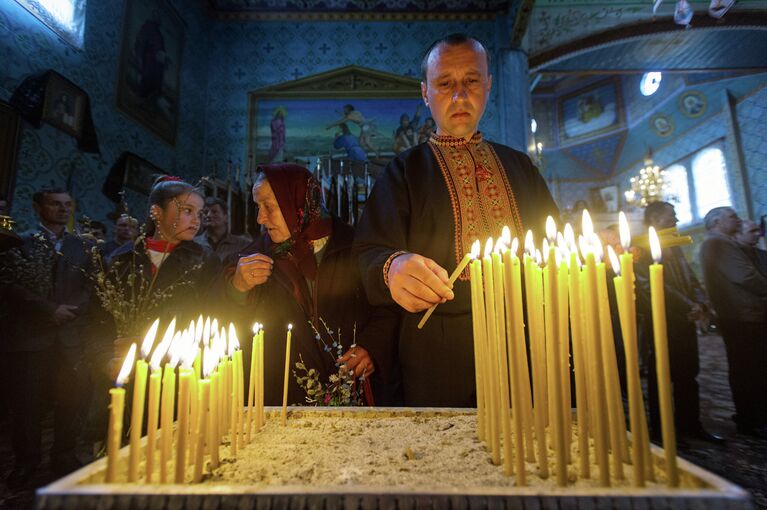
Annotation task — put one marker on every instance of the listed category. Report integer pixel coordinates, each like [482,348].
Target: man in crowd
[748,237]
[686,305]
[739,294]
[48,294]
[427,208]
[126,231]
[215,234]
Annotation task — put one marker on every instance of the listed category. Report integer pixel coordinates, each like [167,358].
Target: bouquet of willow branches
[341,389]
[31,268]
[126,294]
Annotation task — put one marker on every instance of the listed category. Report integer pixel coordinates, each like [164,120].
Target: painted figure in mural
[64,110]
[367,126]
[277,126]
[151,59]
[346,140]
[589,108]
[405,139]
[426,130]
[405,122]
[420,220]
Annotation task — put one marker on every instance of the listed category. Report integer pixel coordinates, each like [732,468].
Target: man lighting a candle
[427,208]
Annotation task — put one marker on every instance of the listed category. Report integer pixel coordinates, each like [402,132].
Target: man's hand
[63,313]
[358,362]
[416,282]
[251,271]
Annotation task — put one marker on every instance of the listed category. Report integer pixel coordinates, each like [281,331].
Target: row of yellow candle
[565,299]
[210,400]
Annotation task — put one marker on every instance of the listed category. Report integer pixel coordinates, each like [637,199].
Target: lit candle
[478,324]
[185,377]
[116,408]
[628,309]
[514,337]
[611,382]
[564,342]
[502,359]
[167,407]
[579,357]
[662,369]
[491,357]
[214,415]
[453,277]
[534,299]
[204,417]
[233,395]
[284,414]
[553,352]
[260,415]
[599,416]
[137,408]
[154,400]
[252,380]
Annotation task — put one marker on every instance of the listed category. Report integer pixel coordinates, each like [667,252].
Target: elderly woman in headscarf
[301,271]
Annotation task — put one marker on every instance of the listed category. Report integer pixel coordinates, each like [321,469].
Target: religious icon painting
[662,125]
[692,104]
[148,79]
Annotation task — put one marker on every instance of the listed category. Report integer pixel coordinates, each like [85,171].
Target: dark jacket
[340,301]
[187,283]
[30,326]
[736,287]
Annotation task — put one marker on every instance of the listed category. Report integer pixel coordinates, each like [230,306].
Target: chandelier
[649,186]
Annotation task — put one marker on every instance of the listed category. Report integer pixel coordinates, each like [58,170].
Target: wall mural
[150,66]
[591,111]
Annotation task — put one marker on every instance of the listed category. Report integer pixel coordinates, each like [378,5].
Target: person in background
[748,236]
[48,299]
[738,291]
[427,208]
[126,231]
[215,234]
[686,304]
[301,272]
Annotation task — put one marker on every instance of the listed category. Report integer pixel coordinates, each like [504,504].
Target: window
[65,17]
[697,184]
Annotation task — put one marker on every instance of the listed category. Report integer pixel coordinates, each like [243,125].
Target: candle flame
[654,245]
[596,246]
[290,326]
[190,351]
[171,329]
[198,329]
[475,249]
[551,229]
[515,246]
[587,225]
[557,255]
[122,377]
[625,232]
[176,349]
[230,350]
[506,234]
[256,327]
[500,244]
[546,246]
[538,257]
[208,362]
[488,247]
[569,236]
[614,260]
[584,246]
[206,332]
[214,324]
[146,345]
[233,336]
[529,244]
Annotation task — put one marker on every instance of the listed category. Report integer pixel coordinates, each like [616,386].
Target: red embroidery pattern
[480,194]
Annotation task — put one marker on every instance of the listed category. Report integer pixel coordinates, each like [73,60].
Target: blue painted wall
[47,156]
[247,56]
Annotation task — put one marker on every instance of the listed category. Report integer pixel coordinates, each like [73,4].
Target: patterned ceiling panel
[599,156]
[356,9]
